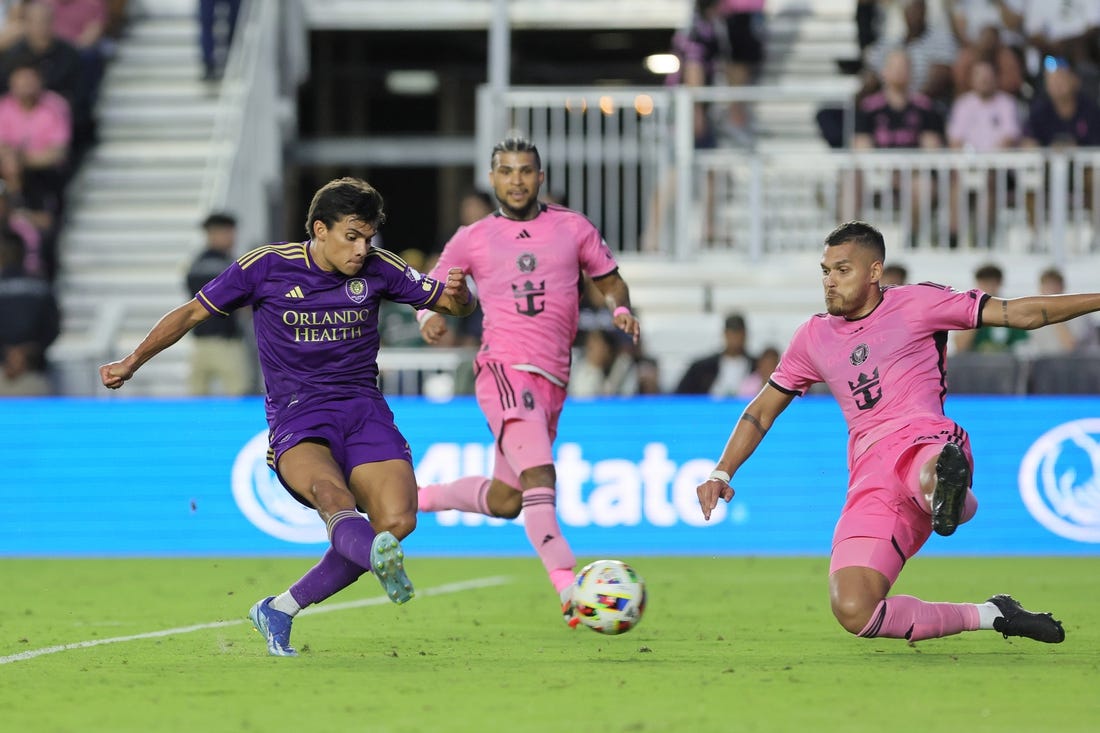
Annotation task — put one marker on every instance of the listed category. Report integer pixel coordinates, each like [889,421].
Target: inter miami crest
[526,262]
[859,355]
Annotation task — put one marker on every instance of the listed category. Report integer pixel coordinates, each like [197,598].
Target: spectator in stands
[13,29]
[897,118]
[985,119]
[214,45]
[721,374]
[57,60]
[35,133]
[1066,337]
[894,275]
[30,323]
[16,222]
[982,120]
[702,50]
[746,32]
[930,49]
[758,377]
[83,23]
[868,23]
[990,338]
[987,47]
[604,369]
[220,359]
[1064,29]
[1062,116]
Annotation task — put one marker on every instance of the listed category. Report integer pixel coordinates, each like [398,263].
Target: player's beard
[529,210]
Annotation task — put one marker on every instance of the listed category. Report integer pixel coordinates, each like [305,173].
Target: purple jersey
[316,331]
[528,280]
[886,370]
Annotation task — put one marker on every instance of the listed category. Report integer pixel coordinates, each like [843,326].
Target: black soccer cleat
[952,483]
[1017,621]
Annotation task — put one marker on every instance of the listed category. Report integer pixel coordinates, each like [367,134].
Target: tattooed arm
[1037,311]
[750,429]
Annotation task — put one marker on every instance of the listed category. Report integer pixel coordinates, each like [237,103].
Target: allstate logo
[264,501]
[1060,480]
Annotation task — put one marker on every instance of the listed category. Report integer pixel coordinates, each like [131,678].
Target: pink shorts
[506,395]
[885,520]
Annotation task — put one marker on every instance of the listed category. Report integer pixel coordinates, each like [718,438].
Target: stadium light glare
[662,63]
[412,82]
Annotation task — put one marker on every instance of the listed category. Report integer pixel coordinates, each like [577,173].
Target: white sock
[987,612]
[285,602]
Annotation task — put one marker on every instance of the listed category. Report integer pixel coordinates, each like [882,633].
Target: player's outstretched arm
[754,424]
[167,331]
[1036,311]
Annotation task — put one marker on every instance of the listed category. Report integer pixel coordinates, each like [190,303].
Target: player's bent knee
[508,506]
[401,525]
[853,613]
[330,498]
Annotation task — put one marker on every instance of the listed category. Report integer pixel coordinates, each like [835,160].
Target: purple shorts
[357,429]
[885,521]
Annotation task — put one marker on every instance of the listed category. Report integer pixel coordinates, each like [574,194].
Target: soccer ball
[609,597]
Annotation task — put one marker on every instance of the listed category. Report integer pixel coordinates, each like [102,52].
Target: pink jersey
[528,281]
[887,369]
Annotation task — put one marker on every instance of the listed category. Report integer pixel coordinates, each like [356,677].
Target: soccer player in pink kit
[334,444]
[526,260]
[881,352]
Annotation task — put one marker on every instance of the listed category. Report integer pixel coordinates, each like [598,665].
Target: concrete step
[128,178]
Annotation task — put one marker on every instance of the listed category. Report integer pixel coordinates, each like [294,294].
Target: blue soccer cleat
[387,559]
[274,626]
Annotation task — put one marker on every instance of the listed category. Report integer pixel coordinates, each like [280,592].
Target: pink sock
[468,494]
[540,518]
[906,617]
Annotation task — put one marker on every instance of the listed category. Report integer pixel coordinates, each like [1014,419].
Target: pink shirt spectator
[531,306]
[886,370]
[983,125]
[72,17]
[45,126]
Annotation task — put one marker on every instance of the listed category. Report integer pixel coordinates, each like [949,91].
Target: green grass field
[727,644]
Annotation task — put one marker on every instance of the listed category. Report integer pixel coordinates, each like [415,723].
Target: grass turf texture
[727,644]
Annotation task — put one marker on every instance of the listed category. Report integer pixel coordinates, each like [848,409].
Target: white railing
[626,157]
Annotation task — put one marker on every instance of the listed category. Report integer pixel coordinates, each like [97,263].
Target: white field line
[438,590]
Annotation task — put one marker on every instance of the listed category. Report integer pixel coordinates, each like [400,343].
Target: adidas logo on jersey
[523,234]
[295,292]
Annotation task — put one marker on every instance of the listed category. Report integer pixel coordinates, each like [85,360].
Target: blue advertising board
[109,477]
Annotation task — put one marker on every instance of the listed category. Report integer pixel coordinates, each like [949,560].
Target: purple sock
[351,536]
[327,578]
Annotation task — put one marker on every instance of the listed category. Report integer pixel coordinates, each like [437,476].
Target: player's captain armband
[422,316]
[622,310]
[720,475]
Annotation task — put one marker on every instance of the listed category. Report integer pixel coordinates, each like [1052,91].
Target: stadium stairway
[133,212]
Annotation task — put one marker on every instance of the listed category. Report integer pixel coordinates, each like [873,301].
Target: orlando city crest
[859,355]
[356,289]
[526,262]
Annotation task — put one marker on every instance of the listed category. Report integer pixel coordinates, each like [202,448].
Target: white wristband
[422,316]
[720,475]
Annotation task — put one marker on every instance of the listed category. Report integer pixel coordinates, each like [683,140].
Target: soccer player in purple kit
[526,259]
[334,444]
[881,352]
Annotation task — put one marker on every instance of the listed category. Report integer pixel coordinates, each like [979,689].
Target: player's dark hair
[346,197]
[861,234]
[515,144]
[990,272]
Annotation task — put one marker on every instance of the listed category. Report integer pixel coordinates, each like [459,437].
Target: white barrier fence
[626,158]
